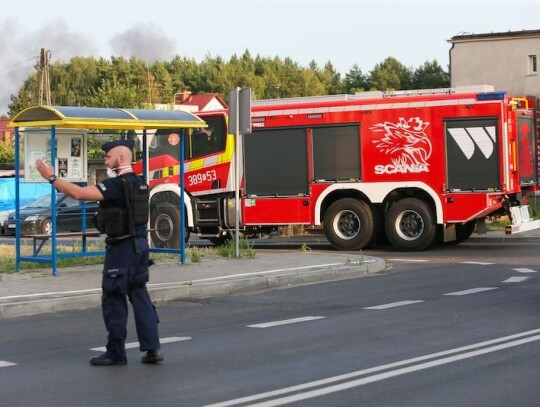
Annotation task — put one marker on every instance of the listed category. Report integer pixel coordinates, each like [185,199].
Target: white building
[508,61]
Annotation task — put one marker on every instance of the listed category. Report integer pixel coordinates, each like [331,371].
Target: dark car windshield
[61,200]
[43,202]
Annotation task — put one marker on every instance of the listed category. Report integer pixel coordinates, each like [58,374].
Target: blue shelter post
[53,204]
[17,200]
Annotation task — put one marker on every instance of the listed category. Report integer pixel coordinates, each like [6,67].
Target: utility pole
[43,77]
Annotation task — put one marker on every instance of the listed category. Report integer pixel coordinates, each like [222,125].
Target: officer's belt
[118,239]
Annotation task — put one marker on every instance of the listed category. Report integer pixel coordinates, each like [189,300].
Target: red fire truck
[415,167]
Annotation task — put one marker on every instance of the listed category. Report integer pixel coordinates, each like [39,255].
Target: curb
[503,239]
[200,289]
[161,293]
[48,305]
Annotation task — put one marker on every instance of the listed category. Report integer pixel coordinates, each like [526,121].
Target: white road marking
[515,279]
[480,263]
[394,304]
[132,345]
[3,363]
[525,270]
[285,322]
[472,291]
[410,260]
[469,351]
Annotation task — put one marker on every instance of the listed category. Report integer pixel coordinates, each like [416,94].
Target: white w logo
[466,138]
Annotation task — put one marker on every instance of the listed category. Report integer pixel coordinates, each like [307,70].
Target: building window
[533,67]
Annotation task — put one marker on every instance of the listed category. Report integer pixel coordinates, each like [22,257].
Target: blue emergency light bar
[491,96]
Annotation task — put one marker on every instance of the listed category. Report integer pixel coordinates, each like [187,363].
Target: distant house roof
[199,103]
[4,129]
[4,125]
[490,36]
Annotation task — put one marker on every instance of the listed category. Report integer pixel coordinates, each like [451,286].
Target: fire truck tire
[463,232]
[164,225]
[349,224]
[379,235]
[410,225]
[219,241]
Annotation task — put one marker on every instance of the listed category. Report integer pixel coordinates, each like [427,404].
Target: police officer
[122,215]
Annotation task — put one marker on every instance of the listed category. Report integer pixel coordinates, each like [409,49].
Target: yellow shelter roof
[105,118]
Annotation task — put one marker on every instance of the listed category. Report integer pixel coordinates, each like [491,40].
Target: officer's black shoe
[106,360]
[152,356]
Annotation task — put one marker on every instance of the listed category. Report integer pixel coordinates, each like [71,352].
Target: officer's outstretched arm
[88,193]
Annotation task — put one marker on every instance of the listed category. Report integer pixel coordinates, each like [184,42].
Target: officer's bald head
[118,153]
[122,151]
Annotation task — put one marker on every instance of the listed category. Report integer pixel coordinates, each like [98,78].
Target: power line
[26,65]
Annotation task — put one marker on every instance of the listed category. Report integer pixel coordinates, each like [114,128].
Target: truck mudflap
[521,220]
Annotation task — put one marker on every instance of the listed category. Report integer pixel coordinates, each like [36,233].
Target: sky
[343,32]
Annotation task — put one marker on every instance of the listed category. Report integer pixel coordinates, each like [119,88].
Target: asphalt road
[447,327]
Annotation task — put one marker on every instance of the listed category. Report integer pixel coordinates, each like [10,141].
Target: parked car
[28,192]
[35,218]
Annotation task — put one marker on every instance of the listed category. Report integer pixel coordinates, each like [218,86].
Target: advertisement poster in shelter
[69,156]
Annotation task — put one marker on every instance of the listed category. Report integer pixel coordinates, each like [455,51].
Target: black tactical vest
[120,217]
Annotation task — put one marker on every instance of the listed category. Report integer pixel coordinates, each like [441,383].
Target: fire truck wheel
[221,240]
[379,236]
[410,225]
[463,232]
[349,224]
[165,224]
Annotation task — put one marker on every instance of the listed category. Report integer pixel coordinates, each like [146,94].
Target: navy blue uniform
[125,274]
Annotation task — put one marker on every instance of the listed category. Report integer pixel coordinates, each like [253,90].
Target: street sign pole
[239,124]
[233,128]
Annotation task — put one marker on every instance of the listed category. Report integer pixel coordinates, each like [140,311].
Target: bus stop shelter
[49,121]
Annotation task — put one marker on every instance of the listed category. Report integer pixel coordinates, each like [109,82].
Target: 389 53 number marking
[200,177]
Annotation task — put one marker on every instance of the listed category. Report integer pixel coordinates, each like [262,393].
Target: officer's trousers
[125,274]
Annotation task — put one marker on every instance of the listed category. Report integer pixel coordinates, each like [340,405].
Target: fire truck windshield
[199,141]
